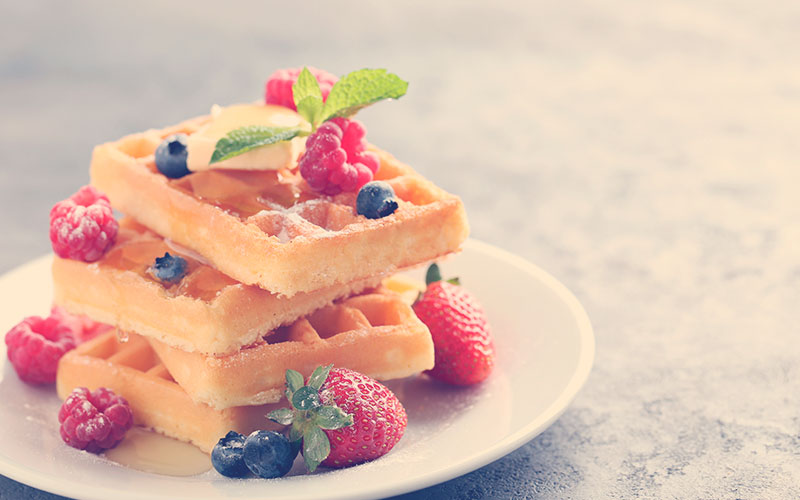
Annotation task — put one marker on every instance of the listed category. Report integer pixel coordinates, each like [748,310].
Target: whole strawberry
[462,340]
[342,417]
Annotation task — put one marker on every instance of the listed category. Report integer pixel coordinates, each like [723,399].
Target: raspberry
[35,345]
[94,421]
[83,227]
[336,159]
[279,85]
[83,328]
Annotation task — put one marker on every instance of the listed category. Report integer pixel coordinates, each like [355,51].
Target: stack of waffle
[277,277]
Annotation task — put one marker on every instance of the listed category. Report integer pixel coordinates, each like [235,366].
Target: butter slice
[201,144]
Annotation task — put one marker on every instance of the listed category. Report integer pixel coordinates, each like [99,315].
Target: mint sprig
[308,97]
[244,139]
[308,416]
[353,92]
[361,88]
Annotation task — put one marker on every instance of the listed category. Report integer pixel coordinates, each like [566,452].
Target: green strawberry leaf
[295,434]
[283,416]
[316,447]
[433,274]
[332,417]
[244,139]
[361,88]
[305,398]
[308,97]
[294,381]
[318,377]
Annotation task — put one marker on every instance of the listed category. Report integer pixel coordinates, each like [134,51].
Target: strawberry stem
[434,274]
[308,416]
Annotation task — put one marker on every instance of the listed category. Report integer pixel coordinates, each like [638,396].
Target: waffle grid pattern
[374,333]
[133,370]
[268,228]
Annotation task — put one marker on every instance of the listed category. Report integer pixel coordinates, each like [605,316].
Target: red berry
[379,419]
[35,345]
[94,421]
[83,227]
[462,339]
[279,85]
[336,158]
[83,328]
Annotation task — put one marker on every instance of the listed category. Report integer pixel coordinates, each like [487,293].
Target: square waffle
[268,228]
[375,333]
[205,311]
[133,371]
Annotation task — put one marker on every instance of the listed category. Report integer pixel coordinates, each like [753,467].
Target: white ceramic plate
[545,348]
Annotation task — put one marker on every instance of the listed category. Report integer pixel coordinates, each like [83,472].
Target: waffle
[267,228]
[374,333]
[133,370]
[206,311]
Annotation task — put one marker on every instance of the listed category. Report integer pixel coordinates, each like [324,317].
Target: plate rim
[511,442]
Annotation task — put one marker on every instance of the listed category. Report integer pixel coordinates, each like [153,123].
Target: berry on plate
[336,159]
[279,86]
[376,200]
[83,227]
[94,421]
[171,156]
[169,268]
[83,327]
[227,457]
[462,340]
[35,345]
[268,454]
[343,417]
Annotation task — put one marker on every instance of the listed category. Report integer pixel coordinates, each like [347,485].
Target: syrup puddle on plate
[149,451]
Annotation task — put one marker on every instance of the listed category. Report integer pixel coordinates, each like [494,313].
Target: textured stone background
[645,153]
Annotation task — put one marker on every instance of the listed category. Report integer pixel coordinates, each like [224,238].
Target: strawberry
[341,417]
[462,340]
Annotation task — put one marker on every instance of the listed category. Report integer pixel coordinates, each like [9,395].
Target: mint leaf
[306,86]
[362,88]
[310,108]
[307,97]
[318,377]
[283,416]
[332,417]
[316,447]
[244,139]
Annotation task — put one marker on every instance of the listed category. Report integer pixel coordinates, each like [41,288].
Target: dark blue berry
[376,199]
[169,268]
[268,454]
[228,456]
[171,156]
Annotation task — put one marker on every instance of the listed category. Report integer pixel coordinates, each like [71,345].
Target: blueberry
[228,456]
[171,156]
[169,268]
[268,454]
[376,199]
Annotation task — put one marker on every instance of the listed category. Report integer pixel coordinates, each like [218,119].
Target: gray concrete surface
[644,153]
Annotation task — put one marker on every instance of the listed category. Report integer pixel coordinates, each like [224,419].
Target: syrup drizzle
[244,193]
[148,451]
[136,250]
